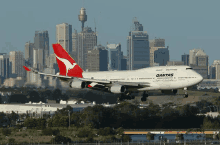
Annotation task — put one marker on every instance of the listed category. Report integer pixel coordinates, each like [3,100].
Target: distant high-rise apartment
[185,59]
[173,63]
[38,59]
[86,40]
[155,44]
[41,41]
[97,59]
[199,62]
[74,40]
[29,53]
[124,63]
[114,56]
[73,54]
[192,54]
[138,53]
[214,70]
[64,36]
[136,26]
[161,56]
[4,66]
[16,58]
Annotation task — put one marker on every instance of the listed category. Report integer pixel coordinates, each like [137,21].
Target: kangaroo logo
[68,65]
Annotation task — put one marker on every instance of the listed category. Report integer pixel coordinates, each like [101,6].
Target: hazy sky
[184,25]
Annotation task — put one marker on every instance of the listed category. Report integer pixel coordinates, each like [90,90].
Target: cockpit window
[189,68]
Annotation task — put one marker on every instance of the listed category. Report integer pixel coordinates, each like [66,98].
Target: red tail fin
[66,64]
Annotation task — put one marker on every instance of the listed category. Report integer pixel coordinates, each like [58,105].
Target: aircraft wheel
[186,96]
[175,91]
[129,97]
[120,98]
[143,99]
[145,95]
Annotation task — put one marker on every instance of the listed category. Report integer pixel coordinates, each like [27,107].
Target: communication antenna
[95,24]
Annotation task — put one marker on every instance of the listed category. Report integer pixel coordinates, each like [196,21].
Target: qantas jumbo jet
[164,78]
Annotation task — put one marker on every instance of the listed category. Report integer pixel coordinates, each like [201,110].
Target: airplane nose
[200,78]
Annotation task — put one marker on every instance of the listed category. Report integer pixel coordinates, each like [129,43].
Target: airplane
[163,78]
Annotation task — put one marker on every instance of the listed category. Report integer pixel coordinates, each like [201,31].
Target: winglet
[26,68]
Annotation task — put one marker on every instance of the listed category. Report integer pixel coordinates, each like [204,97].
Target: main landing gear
[144,97]
[186,94]
[124,96]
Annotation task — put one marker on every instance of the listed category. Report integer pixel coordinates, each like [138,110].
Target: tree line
[110,121]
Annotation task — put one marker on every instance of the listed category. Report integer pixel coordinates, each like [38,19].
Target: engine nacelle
[77,84]
[117,89]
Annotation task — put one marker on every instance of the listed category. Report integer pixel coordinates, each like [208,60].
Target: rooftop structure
[82,16]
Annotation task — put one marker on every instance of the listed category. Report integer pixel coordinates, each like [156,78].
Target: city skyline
[183,24]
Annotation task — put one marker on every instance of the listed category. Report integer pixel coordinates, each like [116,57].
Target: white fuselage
[162,77]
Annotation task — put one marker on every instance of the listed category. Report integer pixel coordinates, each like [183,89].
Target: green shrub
[106,131]
[50,131]
[126,138]
[24,134]
[90,138]
[6,132]
[61,139]
[84,133]
[11,140]
[150,136]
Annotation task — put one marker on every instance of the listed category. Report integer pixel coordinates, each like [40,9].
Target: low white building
[28,108]
[211,114]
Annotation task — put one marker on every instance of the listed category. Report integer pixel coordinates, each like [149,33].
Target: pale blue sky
[184,25]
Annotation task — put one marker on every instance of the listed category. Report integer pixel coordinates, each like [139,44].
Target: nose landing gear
[144,97]
[186,94]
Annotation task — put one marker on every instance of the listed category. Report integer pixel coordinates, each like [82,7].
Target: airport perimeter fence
[133,143]
[193,129]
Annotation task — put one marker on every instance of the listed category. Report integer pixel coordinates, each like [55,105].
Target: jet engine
[77,84]
[117,89]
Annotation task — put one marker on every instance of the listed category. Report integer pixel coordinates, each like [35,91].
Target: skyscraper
[38,62]
[214,70]
[185,59]
[138,53]
[114,56]
[161,56]
[97,59]
[173,63]
[41,41]
[155,44]
[29,53]
[64,36]
[73,54]
[124,63]
[74,40]
[192,54]
[4,66]
[16,58]
[199,62]
[87,40]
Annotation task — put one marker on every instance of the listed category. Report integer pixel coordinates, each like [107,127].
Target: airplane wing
[40,73]
[95,81]
[110,83]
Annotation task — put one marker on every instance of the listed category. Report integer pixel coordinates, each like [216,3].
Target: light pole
[30,139]
[216,108]
[52,139]
[209,108]
[69,118]
[7,138]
